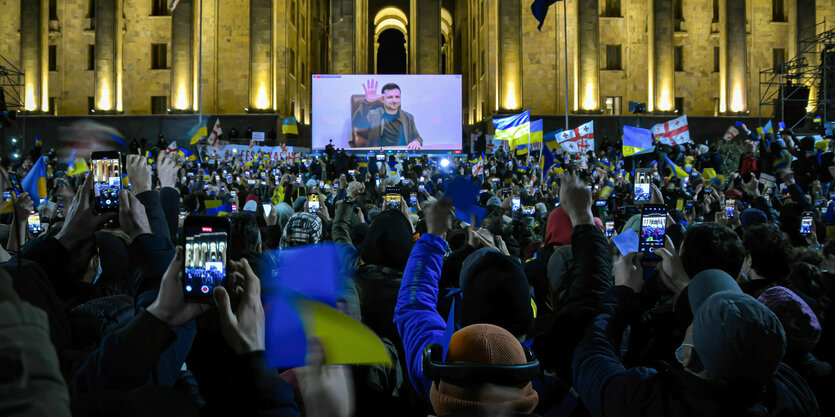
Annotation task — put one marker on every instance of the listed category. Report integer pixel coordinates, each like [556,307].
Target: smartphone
[298,179]
[205,187]
[600,203]
[313,203]
[505,192]
[321,184]
[685,181]
[15,182]
[653,230]
[688,206]
[263,175]
[233,193]
[263,183]
[768,182]
[7,195]
[206,241]
[422,179]
[528,209]
[642,189]
[494,179]
[515,204]
[381,157]
[421,188]
[327,187]
[352,172]
[806,223]
[729,207]
[246,173]
[610,228]
[413,199]
[267,208]
[250,182]
[234,208]
[377,182]
[34,222]
[392,198]
[106,169]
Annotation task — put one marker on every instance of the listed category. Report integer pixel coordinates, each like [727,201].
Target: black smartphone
[653,230]
[107,172]
[313,203]
[34,222]
[642,190]
[610,228]
[413,199]
[393,198]
[15,182]
[528,210]
[515,204]
[600,203]
[729,207]
[206,242]
[806,223]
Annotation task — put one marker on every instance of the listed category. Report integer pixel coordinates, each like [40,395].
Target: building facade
[236,56]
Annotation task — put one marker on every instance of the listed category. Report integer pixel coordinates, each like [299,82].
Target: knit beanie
[803,330]
[485,344]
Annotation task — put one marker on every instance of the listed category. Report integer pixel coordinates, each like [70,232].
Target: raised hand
[370,89]
[244,329]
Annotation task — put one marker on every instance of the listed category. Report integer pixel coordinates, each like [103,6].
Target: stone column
[182,56]
[33,54]
[510,55]
[343,37]
[588,56]
[661,56]
[260,55]
[108,95]
[735,54]
[425,37]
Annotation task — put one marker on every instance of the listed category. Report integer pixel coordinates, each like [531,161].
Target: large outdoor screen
[387,111]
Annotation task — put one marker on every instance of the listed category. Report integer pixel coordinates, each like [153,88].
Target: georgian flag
[478,167]
[216,132]
[172,147]
[577,140]
[672,132]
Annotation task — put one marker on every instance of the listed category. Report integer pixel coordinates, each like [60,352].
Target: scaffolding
[11,86]
[808,70]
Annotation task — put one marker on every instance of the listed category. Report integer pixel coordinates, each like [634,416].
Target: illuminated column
[734,57]
[588,46]
[661,56]
[33,50]
[108,56]
[425,31]
[510,55]
[182,56]
[343,42]
[260,55]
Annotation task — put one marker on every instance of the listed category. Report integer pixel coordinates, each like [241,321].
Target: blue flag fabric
[35,181]
[547,159]
[637,137]
[464,195]
[539,8]
[226,208]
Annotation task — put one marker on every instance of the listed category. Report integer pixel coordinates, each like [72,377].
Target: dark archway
[391,54]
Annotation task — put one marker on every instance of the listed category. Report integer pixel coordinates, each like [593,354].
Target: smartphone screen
[528,209]
[413,199]
[806,223]
[205,256]
[107,180]
[393,198]
[515,204]
[729,207]
[600,203]
[377,182]
[34,222]
[610,228]
[653,230]
[15,181]
[267,208]
[234,208]
[298,179]
[421,188]
[642,188]
[7,195]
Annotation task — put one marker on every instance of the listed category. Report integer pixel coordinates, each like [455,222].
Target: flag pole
[200,67]
[565,51]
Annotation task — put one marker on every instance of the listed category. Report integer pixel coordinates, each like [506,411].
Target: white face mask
[679,352]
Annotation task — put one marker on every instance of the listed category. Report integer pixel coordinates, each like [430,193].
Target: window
[778,59]
[160,8]
[680,105]
[91,11]
[91,57]
[679,58]
[159,56]
[292,63]
[778,11]
[613,105]
[53,57]
[715,11]
[52,110]
[53,9]
[715,59]
[293,13]
[678,15]
[91,105]
[611,8]
[613,57]
[159,104]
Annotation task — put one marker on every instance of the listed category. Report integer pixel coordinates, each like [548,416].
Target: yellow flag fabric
[8,207]
[210,204]
[344,340]
[708,173]
[79,166]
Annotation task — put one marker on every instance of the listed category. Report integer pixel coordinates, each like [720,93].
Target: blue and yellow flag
[186,154]
[766,129]
[535,136]
[674,169]
[76,165]
[513,127]
[290,126]
[547,159]
[35,181]
[550,139]
[198,131]
[636,140]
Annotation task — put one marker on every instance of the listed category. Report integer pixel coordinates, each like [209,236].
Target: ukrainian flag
[522,149]
[636,140]
[198,131]
[76,165]
[674,169]
[535,137]
[550,139]
[35,181]
[186,154]
[513,127]
[766,129]
[290,126]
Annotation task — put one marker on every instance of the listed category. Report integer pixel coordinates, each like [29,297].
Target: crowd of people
[532,310]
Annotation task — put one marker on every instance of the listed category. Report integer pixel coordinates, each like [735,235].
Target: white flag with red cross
[672,132]
[577,140]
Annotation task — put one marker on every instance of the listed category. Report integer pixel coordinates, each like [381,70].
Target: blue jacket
[415,315]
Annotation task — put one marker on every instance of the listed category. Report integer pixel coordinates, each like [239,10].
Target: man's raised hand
[370,89]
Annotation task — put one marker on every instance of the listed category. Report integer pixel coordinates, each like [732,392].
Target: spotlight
[14,140]
[637,108]
[444,163]
[16,155]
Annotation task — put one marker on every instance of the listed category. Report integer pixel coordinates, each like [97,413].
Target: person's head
[768,251]
[733,337]
[479,357]
[302,229]
[391,98]
[800,323]
[244,235]
[711,246]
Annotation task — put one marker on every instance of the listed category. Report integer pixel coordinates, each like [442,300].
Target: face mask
[678,352]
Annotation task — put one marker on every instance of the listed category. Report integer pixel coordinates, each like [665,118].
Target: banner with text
[246,154]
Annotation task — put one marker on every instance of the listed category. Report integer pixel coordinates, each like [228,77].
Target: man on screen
[382,121]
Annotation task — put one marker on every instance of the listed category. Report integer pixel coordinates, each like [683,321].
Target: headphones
[434,368]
